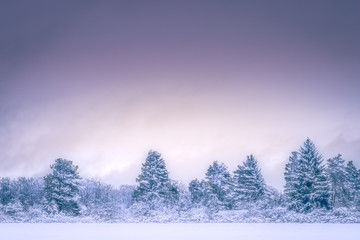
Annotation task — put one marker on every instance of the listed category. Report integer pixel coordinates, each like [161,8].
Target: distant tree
[249,184]
[307,186]
[184,203]
[197,191]
[275,198]
[337,176]
[62,188]
[155,189]
[219,187]
[29,192]
[98,199]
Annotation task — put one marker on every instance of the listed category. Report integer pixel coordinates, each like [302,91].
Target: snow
[208,231]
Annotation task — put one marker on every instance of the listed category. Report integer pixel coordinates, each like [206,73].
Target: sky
[103,82]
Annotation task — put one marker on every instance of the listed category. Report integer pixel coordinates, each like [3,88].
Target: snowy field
[206,231]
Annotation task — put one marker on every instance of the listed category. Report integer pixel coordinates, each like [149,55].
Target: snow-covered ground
[206,231]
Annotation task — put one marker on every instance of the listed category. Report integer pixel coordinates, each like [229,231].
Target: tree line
[311,184]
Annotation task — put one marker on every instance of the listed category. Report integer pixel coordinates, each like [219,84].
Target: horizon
[231,171]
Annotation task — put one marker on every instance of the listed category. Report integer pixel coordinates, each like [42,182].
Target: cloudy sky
[103,82]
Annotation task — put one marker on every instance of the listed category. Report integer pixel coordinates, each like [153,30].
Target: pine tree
[249,184]
[7,194]
[337,176]
[352,184]
[62,188]
[219,187]
[155,189]
[292,182]
[307,186]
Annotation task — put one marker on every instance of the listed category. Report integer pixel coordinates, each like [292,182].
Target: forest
[315,190]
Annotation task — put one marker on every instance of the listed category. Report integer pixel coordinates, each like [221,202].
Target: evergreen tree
[292,182]
[219,187]
[337,176]
[155,189]
[352,184]
[62,188]
[307,186]
[7,193]
[249,184]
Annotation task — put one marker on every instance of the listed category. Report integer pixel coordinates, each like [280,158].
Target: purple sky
[103,82]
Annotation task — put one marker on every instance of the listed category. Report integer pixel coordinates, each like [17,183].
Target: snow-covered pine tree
[7,194]
[316,178]
[310,180]
[219,187]
[155,189]
[292,182]
[62,188]
[249,184]
[352,184]
[337,176]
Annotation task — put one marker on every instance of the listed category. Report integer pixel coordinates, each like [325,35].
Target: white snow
[181,231]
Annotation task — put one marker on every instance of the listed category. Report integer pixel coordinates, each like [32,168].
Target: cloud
[348,148]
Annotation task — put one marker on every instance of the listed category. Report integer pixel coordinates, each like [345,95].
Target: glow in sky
[103,82]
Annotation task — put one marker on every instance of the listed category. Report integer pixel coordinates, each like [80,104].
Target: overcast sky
[103,82]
